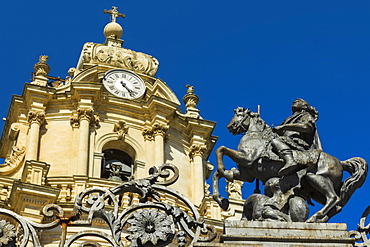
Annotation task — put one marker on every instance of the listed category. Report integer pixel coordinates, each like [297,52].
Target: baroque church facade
[108,122]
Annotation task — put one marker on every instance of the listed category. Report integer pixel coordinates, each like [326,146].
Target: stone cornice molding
[197,150]
[36,117]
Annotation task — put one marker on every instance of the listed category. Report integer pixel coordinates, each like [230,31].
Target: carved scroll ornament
[13,161]
[120,57]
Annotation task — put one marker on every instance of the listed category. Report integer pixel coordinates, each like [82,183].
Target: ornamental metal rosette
[149,222]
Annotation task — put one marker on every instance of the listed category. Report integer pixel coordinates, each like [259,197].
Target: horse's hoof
[222,202]
[312,219]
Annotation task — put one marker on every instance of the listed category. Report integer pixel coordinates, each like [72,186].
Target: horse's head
[240,121]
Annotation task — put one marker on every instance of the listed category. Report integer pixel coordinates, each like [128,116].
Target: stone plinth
[258,233]
[287,234]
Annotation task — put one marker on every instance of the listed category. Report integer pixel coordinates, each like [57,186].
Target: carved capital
[36,117]
[121,129]
[85,114]
[160,129]
[75,122]
[148,134]
[197,150]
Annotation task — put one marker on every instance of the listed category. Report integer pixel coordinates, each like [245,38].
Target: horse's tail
[357,167]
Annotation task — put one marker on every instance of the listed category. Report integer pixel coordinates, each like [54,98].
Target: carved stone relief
[120,57]
[13,161]
[234,189]
[121,129]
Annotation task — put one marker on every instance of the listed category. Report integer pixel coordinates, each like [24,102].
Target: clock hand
[129,90]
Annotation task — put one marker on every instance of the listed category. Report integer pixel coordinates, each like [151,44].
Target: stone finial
[191,100]
[42,68]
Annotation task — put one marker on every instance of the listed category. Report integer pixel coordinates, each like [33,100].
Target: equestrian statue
[290,162]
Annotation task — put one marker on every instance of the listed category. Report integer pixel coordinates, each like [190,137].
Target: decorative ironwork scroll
[361,235]
[147,223]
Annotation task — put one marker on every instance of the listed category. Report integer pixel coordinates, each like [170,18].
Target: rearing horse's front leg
[220,152]
[220,173]
[224,203]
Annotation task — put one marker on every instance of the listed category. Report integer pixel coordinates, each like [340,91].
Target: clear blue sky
[235,53]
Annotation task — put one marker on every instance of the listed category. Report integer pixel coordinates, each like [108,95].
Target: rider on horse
[297,132]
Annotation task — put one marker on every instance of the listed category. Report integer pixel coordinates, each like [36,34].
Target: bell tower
[109,121]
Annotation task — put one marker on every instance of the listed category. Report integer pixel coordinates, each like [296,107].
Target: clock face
[124,84]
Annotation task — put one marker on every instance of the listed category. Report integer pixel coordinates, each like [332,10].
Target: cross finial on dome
[114,13]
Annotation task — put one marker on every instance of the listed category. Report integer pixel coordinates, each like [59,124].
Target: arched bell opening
[117,162]
[116,165]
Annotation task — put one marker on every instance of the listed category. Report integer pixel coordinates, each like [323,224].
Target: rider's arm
[300,127]
[305,125]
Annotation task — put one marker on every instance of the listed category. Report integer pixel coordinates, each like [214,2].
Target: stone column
[196,158]
[36,119]
[160,131]
[84,115]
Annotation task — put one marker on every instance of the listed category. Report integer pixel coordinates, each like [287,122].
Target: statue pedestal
[278,234]
[263,233]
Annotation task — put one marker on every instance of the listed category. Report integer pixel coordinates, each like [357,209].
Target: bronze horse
[320,181]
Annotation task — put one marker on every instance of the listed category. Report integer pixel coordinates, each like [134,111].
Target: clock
[124,84]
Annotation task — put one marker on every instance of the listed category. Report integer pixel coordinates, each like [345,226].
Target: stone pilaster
[35,119]
[196,154]
[86,118]
[159,131]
